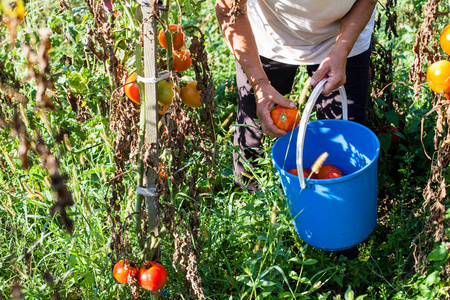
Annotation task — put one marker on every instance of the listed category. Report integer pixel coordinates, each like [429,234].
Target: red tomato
[444,39]
[438,76]
[181,60]
[306,173]
[394,137]
[447,96]
[121,271]
[329,171]
[177,40]
[392,130]
[285,118]
[152,276]
[190,95]
[132,89]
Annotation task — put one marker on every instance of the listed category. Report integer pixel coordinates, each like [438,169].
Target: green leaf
[438,254]
[338,280]
[88,279]
[385,141]
[432,278]
[392,117]
[349,294]
[309,261]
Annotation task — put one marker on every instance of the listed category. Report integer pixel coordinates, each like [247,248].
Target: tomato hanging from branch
[122,270]
[178,37]
[165,92]
[131,88]
[190,95]
[152,276]
[438,76]
[444,39]
[181,60]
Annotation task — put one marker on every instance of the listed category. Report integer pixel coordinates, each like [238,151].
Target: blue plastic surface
[339,213]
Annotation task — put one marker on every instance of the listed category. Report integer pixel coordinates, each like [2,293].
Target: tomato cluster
[181,58]
[438,74]
[182,61]
[151,276]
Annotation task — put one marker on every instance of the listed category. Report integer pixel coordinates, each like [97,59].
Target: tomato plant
[190,95]
[444,39]
[178,37]
[165,92]
[122,270]
[306,173]
[181,60]
[285,118]
[132,89]
[329,171]
[438,76]
[152,276]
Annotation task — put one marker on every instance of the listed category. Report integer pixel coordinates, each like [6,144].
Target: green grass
[249,247]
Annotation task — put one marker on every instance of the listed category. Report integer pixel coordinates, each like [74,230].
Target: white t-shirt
[301,32]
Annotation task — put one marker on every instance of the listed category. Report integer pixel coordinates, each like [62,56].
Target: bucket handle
[304,122]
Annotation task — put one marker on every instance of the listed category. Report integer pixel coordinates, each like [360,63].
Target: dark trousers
[248,134]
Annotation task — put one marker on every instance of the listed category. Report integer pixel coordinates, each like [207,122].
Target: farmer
[270,39]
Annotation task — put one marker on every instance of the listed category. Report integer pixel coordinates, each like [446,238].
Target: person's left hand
[333,68]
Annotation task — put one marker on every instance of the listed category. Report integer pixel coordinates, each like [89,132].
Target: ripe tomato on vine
[438,76]
[190,95]
[178,37]
[152,276]
[444,39]
[181,60]
[285,118]
[131,88]
[122,270]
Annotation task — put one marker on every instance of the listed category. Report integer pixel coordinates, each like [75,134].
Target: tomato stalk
[168,34]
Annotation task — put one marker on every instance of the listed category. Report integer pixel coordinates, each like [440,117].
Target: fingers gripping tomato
[285,118]
[152,276]
[122,270]
[190,95]
[132,89]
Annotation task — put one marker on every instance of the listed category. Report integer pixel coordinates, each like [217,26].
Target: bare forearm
[241,41]
[353,24]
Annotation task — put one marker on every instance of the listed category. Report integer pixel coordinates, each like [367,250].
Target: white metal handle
[304,122]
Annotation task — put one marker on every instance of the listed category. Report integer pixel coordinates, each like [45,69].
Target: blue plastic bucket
[330,214]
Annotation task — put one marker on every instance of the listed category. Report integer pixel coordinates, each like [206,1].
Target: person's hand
[333,68]
[266,97]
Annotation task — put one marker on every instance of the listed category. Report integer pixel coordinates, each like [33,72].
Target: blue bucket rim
[332,180]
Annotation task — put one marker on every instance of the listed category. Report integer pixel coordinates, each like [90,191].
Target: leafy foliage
[244,243]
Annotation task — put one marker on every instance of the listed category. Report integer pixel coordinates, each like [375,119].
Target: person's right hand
[266,97]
